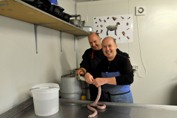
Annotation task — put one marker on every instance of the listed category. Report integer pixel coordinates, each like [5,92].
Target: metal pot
[76,96]
[70,84]
[87,28]
[76,20]
[82,24]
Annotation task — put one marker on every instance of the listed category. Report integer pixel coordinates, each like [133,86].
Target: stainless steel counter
[78,109]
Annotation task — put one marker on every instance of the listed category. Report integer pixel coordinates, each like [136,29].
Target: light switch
[140,10]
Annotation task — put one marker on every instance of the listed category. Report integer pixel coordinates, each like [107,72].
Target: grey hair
[114,39]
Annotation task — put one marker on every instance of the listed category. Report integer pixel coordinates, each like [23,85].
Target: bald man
[115,74]
[91,58]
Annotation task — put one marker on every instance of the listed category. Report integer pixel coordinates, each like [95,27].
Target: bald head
[94,41]
[110,39]
[109,47]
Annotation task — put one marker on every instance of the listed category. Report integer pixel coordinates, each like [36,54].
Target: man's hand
[99,82]
[81,71]
[89,78]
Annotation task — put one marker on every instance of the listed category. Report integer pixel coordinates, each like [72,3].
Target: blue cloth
[116,93]
[54,2]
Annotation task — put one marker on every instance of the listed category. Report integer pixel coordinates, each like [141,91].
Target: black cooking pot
[66,17]
[56,11]
[46,6]
[41,4]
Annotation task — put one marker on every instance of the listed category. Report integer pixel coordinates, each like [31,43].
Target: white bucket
[45,99]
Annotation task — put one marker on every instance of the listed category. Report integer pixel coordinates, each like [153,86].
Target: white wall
[154,47]
[21,67]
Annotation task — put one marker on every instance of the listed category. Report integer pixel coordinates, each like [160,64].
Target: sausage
[96,104]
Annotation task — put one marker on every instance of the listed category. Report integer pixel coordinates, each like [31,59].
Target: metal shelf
[20,10]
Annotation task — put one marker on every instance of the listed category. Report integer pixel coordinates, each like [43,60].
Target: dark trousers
[93,92]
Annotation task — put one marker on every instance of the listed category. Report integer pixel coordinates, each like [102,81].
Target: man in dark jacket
[115,74]
[91,58]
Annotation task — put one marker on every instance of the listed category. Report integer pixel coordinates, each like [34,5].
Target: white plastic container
[45,99]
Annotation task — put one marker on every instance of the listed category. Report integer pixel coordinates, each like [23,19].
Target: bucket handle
[41,87]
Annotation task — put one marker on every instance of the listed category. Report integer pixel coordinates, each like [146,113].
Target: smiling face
[94,41]
[109,47]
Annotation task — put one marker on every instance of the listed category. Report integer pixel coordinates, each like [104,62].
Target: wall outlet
[140,10]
